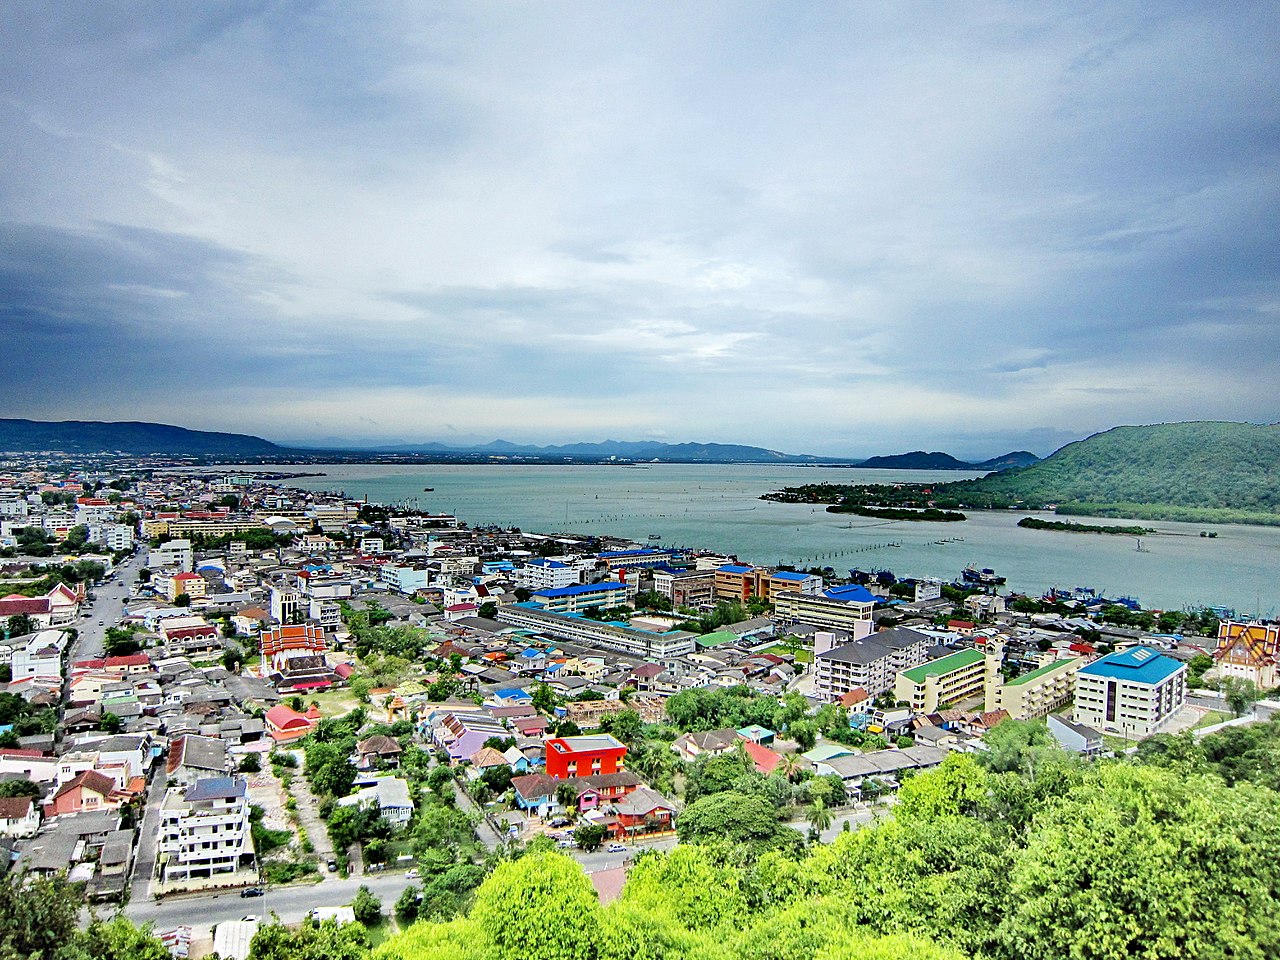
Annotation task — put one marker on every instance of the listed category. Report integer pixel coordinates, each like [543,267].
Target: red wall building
[584,756]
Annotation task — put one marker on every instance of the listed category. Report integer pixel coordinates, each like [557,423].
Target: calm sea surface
[717,508]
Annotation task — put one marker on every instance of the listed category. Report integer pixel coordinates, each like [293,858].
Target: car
[617,848]
[558,822]
[101,622]
[333,866]
[252,892]
[251,917]
[565,844]
[412,875]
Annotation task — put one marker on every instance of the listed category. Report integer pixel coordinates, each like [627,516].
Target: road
[293,903]
[108,608]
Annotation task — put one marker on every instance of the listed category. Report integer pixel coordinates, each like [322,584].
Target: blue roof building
[1133,692]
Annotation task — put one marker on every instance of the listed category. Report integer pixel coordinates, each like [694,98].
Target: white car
[617,848]
[412,875]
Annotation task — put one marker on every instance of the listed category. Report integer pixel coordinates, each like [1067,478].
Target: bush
[366,907]
[250,764]
[407,905]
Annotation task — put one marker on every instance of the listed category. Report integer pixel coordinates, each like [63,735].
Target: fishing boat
[428,489]
[986,577]
[655,536]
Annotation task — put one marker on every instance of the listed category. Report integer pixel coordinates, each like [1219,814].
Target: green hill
[1201,472]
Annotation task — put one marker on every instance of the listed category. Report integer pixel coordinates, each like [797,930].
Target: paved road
[108,608]
[145,859]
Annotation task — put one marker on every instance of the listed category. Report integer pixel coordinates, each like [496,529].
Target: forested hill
[130,437]
[1200,471]
[919,460]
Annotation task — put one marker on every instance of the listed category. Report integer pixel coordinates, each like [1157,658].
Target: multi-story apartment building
[204,832]
[639,643]
[569,757]
[172,554]
[404,578]
[582,596]
[686,588]
[1034,694]
[870,662]
[285,604]
[1133,692]
[546,574]
[840,608]
[952,678]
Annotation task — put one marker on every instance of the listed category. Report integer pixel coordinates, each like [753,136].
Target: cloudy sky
[827,228]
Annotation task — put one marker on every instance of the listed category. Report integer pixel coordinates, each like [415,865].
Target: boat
[655,536]
[428,489]
[986,577]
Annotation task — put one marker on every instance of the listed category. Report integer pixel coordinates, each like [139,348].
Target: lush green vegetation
[1198,472]
[929,514]
[1068,526]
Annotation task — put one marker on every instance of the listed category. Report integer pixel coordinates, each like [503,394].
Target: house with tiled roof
[1250,651]
[87,791]
[19,817]
[377,750]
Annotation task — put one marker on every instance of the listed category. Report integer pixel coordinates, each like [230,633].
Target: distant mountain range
[131,438]
[81,437]
[919,460]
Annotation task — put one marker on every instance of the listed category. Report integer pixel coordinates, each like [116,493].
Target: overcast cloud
[826,228]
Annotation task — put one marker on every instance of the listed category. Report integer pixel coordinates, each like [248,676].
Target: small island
[929,514]
[1068,526]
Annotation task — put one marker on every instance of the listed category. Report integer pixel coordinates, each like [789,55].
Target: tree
[182,600]
[21,624]
[544,698]
[366,907]
[804,733]
[19,788]
[956,788]
[1241,694]
[540,907]
[327,940]
[625,725]
[250,763]
[1180,852]
[589,836]
[118,939]
[110,723]
[407,905]
[731,816]
[37,918]
[819,815]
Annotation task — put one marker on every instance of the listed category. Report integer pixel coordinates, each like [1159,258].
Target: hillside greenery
[1207,472]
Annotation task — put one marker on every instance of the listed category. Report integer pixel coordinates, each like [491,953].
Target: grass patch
[1211,718]
[333,703]
[800,653]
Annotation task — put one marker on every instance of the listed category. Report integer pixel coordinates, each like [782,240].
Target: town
[225,697]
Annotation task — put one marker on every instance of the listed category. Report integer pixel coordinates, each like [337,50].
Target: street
[107,607]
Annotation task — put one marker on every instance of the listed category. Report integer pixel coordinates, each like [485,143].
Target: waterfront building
[579,597]
[610,636]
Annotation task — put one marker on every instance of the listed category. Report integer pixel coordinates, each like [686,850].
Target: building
[735,581]
[190,634]
[808,584]
[19,817]
[579,597]
[404,579]
[286,605]
[204,833]
[279,644]
[871,663]
[1132,692]
[1249,651]
[569,757]
[642,558]
[389,795]
[610,636]
[1034,694]
[1075,737]
[840,608]
[171,555]
[545,574]
[948,680]
[192,584]
[284,724]
[686,588]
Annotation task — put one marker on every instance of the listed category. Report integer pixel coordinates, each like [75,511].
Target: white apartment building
[871,663]
[172,554]
[640,643]
[544,574]
[841,608]
[285,604]
[404,579]
[1131,692]
[204,833]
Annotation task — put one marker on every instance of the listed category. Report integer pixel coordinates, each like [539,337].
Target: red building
[584,756]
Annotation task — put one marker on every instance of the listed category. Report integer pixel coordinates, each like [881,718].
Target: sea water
[717,507]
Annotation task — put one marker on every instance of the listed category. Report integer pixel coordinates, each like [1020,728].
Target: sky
[840,228]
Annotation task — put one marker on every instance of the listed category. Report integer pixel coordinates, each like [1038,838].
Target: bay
[716,507]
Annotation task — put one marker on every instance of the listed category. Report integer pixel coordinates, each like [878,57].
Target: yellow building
[1249,651]
[952,678]
[1034,694]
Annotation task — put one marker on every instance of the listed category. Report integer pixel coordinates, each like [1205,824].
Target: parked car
[559,822]
[333,866]
[252,916]
[617,848]
[565,844]
[412,875]
[252,892]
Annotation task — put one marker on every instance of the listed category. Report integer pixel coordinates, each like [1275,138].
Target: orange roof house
[285,724]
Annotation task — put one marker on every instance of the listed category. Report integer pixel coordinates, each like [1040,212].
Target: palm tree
[819,815]
[789,766]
